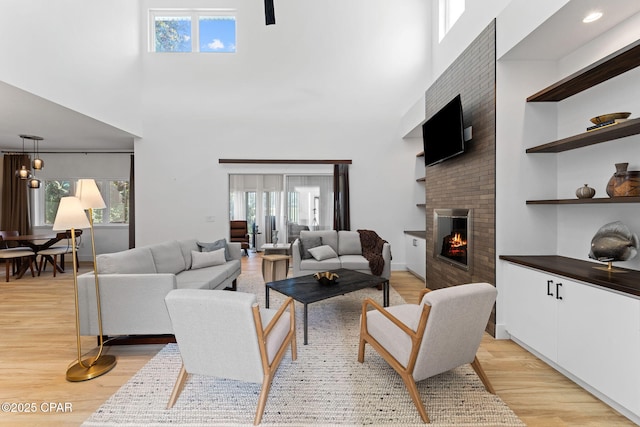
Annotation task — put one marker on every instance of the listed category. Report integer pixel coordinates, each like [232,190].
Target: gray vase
[585,192]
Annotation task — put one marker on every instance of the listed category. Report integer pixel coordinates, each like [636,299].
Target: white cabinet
[590,332]
[416,253]
[530,311]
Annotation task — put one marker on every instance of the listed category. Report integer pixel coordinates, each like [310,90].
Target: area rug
[325,386]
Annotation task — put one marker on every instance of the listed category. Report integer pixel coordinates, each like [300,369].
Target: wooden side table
[275,267]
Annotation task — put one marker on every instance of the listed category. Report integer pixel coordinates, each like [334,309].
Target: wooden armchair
[226,335]
[441,333]
[239,233]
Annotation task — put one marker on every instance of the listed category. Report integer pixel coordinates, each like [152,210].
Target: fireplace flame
[457,241]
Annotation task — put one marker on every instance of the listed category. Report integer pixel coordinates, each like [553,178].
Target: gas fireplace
[452,236]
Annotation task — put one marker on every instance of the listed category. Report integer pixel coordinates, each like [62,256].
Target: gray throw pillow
[218,244]
[320,253]
[307,243]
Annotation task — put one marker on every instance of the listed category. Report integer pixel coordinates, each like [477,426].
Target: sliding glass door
[284,203]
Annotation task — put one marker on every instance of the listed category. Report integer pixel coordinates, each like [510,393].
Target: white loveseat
[134,283]
[347,253]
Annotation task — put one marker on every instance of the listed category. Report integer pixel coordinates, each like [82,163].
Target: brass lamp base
[102,365]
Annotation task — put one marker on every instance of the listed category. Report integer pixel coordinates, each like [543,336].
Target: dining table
[38,242]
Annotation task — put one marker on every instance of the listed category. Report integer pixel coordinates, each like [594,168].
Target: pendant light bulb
[34,183]
[23,173]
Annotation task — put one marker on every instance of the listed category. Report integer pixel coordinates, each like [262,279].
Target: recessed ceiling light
[593,16]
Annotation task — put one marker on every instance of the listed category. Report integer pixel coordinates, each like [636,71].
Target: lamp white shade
[70,215]
[89,194]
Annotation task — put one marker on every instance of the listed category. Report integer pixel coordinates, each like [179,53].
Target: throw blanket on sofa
[372,250]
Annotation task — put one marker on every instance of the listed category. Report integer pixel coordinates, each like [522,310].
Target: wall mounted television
[443,133]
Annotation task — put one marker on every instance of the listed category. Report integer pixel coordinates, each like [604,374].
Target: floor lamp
[72,216]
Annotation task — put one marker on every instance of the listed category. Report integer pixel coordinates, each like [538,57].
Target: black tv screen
[443,133]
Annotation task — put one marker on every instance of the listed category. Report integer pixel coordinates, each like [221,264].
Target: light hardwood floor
[37,343]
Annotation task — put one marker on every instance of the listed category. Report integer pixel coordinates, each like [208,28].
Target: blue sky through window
[217,34]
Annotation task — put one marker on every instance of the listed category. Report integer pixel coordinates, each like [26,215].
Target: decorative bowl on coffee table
[326,278]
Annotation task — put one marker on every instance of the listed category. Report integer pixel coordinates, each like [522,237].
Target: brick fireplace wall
[467,181]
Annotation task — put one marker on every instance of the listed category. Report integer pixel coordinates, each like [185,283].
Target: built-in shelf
[609,133]
[421,205]
[420,154]
[423,179]
[608,67]
[626,280]
[584,201]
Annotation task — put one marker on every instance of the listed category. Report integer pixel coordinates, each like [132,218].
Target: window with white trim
[200,30]
[449,11]
[114,192]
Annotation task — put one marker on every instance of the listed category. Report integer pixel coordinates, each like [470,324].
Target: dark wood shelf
[608,67]
[627,281]
[421,205]
[599,200]
[423,179]
[627,128]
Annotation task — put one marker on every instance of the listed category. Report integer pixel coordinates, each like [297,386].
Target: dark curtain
[132,204]
[15,195]
[341,214]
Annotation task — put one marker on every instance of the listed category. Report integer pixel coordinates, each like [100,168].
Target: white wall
[81,54]
[329,81]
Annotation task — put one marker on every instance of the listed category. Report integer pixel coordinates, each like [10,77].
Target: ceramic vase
[624,183]
[585,192]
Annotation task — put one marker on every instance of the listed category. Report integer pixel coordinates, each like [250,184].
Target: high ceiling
[62,129]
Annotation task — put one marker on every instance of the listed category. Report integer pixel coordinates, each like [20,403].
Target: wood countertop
[627,281]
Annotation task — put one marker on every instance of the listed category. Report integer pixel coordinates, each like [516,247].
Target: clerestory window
[449,11]
[201,30]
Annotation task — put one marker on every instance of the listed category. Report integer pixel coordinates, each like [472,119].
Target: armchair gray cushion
[441,333]
[224,334]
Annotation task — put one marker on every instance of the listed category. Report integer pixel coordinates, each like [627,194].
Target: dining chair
[441,333]
[12,254]
[50,254]
[226,335]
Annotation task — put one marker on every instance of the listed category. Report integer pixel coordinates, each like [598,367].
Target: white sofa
[134,283]
[345,244]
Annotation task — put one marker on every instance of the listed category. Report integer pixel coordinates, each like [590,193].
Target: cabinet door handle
[549,282]
[558,285]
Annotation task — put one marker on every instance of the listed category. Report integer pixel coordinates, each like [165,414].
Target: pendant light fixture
[24,173]
[37,164]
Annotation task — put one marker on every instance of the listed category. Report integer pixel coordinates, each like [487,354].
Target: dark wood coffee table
[306,289]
